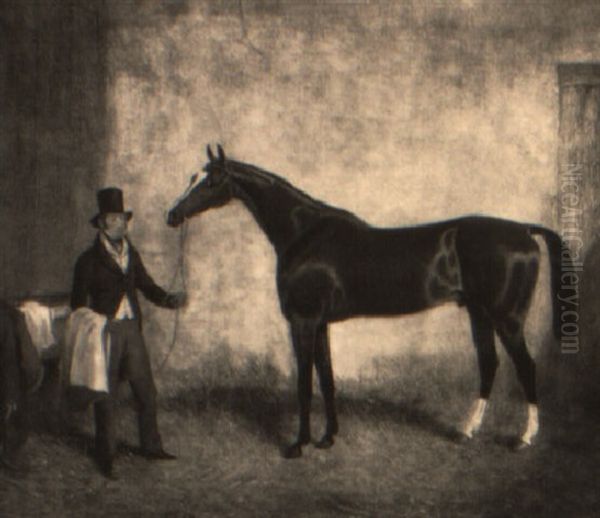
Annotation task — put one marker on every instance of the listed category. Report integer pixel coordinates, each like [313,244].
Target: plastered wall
[402,112]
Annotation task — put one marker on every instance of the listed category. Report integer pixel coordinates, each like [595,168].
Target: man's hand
[177,300]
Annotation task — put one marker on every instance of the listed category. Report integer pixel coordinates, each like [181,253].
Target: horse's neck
[281,212]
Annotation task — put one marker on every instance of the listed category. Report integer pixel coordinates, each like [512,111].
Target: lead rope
[179,272]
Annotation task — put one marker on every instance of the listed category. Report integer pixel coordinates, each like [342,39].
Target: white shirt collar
[122,257]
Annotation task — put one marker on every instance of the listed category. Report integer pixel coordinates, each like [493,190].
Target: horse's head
[214,190]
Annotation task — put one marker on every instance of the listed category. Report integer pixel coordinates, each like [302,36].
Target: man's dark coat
[100,278]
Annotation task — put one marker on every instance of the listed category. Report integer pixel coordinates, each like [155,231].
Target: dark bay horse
[332,266]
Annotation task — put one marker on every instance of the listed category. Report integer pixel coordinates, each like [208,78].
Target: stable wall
[53,135]
[402,112]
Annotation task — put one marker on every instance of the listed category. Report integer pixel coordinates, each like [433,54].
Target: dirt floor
[394,457]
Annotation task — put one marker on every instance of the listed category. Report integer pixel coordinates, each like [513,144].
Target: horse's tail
[557,252]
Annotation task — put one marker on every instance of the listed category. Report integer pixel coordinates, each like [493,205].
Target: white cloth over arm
[38,319]
[87,344]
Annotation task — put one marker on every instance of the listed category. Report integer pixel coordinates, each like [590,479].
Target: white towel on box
[39,324]
[87,344]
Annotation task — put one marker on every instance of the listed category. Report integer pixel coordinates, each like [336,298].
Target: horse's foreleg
[483,337]
[325,373]
[475,418]
[303,338]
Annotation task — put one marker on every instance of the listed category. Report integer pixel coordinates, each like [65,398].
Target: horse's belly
[398,296]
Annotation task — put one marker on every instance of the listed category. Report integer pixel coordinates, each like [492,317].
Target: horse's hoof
[293,451]
[325,443]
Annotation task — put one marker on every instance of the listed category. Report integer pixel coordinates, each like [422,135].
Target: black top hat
[109,200]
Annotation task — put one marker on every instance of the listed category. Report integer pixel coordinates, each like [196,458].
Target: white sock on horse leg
[533,425]
[473,422]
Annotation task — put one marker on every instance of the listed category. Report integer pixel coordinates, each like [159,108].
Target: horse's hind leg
[483,336]
[510,324]
[516,347]
[325,373]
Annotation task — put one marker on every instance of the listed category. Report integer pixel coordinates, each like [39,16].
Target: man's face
[114,225]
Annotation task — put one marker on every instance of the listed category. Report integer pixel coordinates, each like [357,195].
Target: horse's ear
[221,153]
[209,153]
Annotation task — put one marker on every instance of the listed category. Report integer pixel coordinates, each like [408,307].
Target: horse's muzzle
[174,218]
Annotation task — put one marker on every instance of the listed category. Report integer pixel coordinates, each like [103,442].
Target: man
[106,279]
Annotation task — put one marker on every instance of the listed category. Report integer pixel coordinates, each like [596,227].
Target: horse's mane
[241,169]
